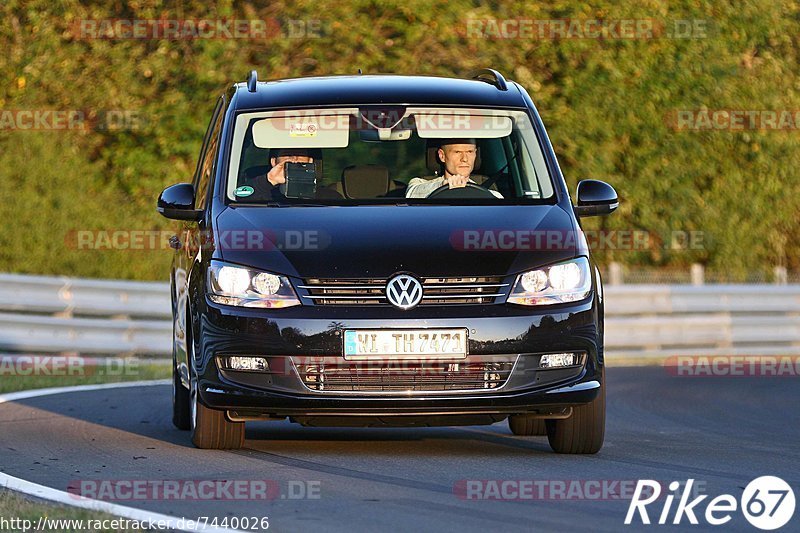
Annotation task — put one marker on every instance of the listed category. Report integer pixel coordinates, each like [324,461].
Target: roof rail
[252,79]
[491,76]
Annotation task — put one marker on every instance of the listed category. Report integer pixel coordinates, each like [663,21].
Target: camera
[301,180]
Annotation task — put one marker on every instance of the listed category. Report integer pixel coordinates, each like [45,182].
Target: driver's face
[458,159]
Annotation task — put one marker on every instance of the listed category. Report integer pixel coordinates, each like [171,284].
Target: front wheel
[211,430]
[584,431]
[180,402]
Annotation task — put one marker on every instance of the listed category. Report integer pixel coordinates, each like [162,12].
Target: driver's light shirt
[421,187]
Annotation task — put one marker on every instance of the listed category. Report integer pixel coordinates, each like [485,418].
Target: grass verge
[18,375]
[20,514]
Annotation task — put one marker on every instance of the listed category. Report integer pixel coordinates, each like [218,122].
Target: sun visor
[324,131]
[448,125]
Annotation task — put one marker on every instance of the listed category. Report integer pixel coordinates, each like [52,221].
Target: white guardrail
[66,315]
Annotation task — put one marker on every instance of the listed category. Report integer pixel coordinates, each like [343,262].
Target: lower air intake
[405,376]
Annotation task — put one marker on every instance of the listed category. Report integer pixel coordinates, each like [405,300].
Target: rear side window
[208,158]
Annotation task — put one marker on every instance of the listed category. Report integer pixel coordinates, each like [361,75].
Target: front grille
[404,376]
[435,291]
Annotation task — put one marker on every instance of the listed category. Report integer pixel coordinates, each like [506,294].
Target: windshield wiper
[277,204]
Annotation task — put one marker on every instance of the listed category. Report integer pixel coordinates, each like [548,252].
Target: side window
[205,166]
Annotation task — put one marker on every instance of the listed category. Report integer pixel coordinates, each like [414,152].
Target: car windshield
[387,155]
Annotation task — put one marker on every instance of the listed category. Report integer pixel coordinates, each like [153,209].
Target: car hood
[378,241]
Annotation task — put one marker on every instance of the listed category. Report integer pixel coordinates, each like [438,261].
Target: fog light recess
[245,363]
[560,360]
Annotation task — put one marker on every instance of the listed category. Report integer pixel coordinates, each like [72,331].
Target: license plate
[361,344]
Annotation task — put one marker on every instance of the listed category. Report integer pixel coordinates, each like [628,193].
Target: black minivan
[377,250]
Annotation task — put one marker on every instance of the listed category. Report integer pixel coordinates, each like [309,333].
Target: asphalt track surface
[721,432]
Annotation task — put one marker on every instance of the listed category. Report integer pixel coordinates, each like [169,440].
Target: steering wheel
[471,190]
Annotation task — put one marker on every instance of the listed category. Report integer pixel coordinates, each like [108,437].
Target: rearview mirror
[177,202]
[596,197]
[384,134]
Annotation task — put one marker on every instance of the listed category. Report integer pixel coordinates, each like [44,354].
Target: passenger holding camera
[278,159]
[271,187]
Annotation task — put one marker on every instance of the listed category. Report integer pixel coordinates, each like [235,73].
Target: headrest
[365,181]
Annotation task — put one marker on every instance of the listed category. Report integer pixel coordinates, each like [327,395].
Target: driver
[458,159]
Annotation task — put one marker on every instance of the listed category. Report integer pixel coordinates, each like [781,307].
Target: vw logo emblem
[404,291]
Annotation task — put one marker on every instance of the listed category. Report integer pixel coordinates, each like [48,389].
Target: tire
[584,431]
[527,426]
[181,410]
[211,430]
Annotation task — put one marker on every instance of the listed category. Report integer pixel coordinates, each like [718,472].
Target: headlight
[245,287]
[565,282]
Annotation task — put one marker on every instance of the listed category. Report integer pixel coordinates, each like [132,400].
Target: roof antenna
[252,79]
[359,72]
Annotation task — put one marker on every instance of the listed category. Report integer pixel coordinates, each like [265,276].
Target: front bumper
[551,401]
[495,331]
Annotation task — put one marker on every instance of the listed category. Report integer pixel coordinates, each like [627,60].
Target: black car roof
[376,89]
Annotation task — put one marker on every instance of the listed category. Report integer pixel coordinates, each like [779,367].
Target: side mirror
[596,198]
[177,202]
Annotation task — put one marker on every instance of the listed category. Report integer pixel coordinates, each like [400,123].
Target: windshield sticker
[303,129]
[245,190]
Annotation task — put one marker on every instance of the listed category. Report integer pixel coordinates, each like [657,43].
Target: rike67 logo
[767,503]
